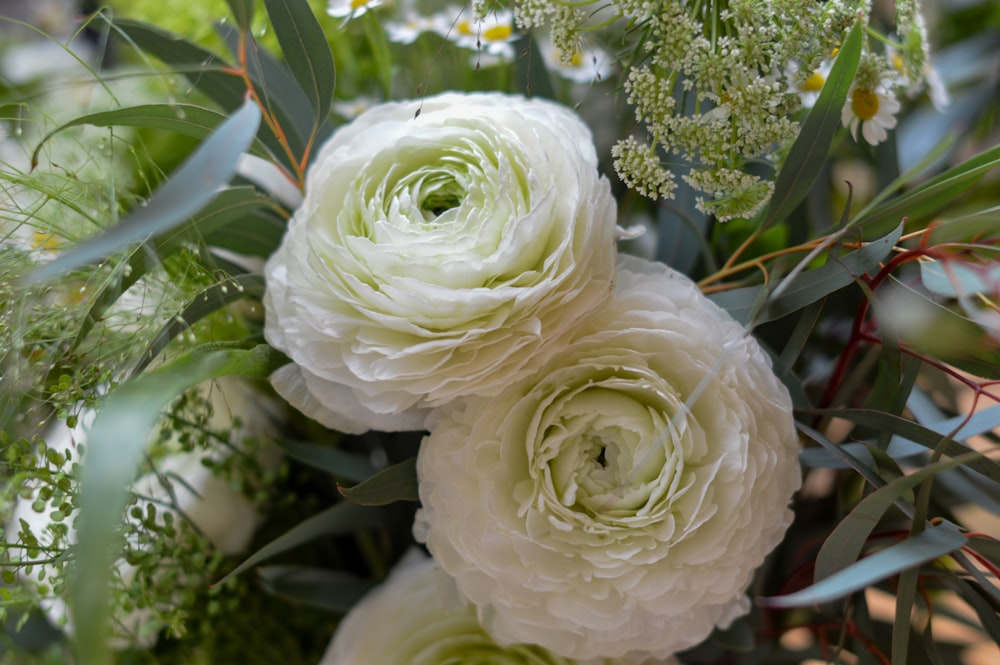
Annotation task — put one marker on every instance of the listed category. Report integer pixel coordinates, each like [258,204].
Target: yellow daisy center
[358,4]
[44,240]
[575,61]
[496,33]
[814,83]
[864,103]
[897,62]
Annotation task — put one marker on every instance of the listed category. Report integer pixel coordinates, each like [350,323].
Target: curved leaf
[746,306]
[189,189]
[341,463]
[333,590]
[306,51]
[341,518]
[844,544]
[187,119]
[808,154]
[395,483]
[230,290]
[926,546]
[243,12]
[116,444]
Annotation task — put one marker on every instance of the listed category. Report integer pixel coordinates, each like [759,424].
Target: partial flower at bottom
[444,248]
[417,617]
[617,503]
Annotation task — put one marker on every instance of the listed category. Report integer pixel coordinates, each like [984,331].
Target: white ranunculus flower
[617,502]
[444,247]
[417,617]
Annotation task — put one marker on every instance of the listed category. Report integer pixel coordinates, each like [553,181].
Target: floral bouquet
[403,332]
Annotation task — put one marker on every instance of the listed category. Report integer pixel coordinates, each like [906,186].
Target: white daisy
[493,34]
[414,25]
[348,9]
[585,66]
[874,110]
[808,90]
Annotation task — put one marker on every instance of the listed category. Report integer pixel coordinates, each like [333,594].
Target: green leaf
[231,289]
[280,93]
[806,287]
[243,12]
[215,221]
[844,544]
[531,71]
[115,447]
[395,483]
[189,189]
[923,202]
[340,463]
[332,590]
[306,51]
[926,546]
[340,519]
[207,72]
[808,154]
[911,431]
[187,119]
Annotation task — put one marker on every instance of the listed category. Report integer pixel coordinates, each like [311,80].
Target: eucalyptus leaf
[341,518]
[243,12]
[115,447]
[208,72]
[332,590]
[187,119]
[917,433]
[395,483]
[808,154]
[935,542]
[844,544]
[807,287]
[307,53]
[922,202]
[229,290]
[189,189]
[334,461]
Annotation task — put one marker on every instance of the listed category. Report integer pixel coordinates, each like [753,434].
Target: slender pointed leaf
[187,119]
[844,544]
[190,188]
[243,12]
[115,447]
[306,51]
[911,431]
[395,483]
[922,202]
[808,287]
[808,153]
[208,72]
[926,546]
[332,590]
[341,518]
[340,463]
[280,92]
[230,290]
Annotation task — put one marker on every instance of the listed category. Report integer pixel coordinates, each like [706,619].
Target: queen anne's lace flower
[443,248]
[616,503]
[417,617]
